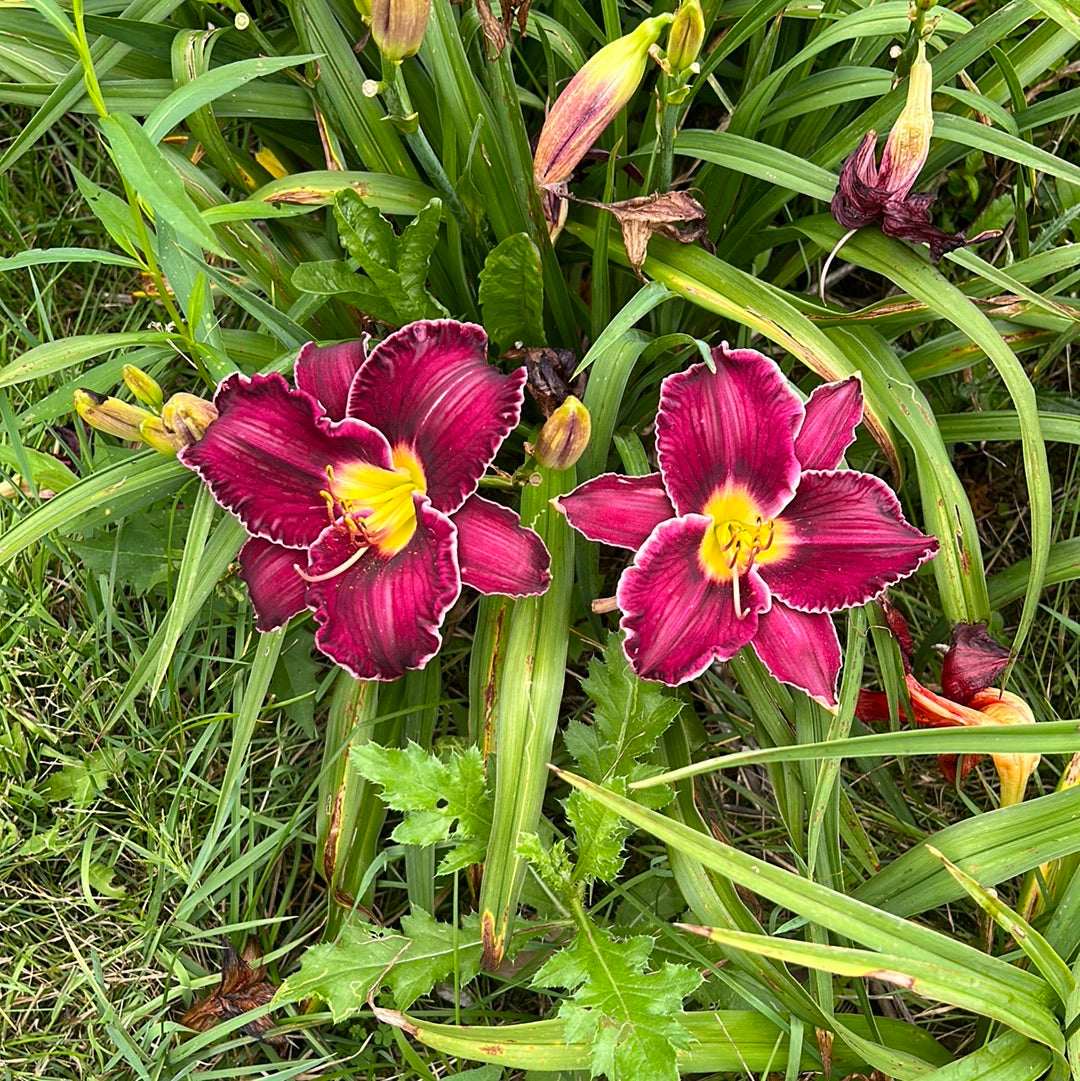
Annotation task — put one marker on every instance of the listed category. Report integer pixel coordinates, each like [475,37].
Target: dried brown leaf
[676,215]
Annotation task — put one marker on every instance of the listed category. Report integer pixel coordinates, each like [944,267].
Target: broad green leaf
[512,293]
[1009,1057]
[844,915]
[388,194]
[365,234]
[343,973]
[52,357]
[85,780]
[943,982]
[721,1041]
[210,86]
[46,470]
[109,493]
[990,848]
[150,174]
[415,246]
[54,256]
[111,211]
[1039,951]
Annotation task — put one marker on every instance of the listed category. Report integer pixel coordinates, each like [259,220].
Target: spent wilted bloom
[973,662]
[592,99]
[749,534]
[358,488]
[869,193]
[398,26]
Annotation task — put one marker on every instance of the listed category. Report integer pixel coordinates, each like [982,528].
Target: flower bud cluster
[166,426]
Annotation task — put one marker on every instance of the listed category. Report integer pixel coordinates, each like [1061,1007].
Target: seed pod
[398,26]
[592,100]
[564,436]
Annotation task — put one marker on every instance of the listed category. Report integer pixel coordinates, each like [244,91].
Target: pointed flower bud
[564,436]
[143,386]
[590,102]
[111,415]
[185,418]
[398,26]
[152,432]
[686,36]
[909,141]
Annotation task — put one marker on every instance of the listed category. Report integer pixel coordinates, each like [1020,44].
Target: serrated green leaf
[83,781]
[630,716]
[553,865]
[342,973]
[631,1018]
[512,293]
[135,554]
[600,835]
[442,800]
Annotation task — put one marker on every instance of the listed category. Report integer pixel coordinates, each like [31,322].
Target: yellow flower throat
[376,504]
[738,538]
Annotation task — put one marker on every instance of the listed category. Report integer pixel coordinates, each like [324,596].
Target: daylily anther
[358,488]
[749,534]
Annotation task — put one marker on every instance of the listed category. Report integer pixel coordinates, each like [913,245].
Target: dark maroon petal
[800,648]
[973,662]
[326,372]
[276,590]
[833,413]
[430,388]
[677,620]
[859,201]
[846,541]
[909,219]
[496,553]
[265,457]
[734,429]
[617,510]
[381,617]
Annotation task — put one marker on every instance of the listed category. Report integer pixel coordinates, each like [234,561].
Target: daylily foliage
[749,534]
[358,488]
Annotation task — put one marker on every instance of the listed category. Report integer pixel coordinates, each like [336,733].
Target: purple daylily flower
[359,491]
[749,534]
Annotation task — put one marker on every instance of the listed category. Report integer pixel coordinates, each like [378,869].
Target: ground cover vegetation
[677,675]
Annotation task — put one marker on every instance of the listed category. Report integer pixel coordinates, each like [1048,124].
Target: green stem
[82,47]
[398,98]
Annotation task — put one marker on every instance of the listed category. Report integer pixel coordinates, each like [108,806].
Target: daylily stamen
[341,568]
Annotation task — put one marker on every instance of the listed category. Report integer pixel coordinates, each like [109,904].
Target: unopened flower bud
[398,26]
[143,386]
[564,436]
[590,102]
[152,432]
[186,417]
[1003,707]
[909,141]
[111,415]
[686,36]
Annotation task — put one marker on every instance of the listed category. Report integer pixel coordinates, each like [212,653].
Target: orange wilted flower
[972,663]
